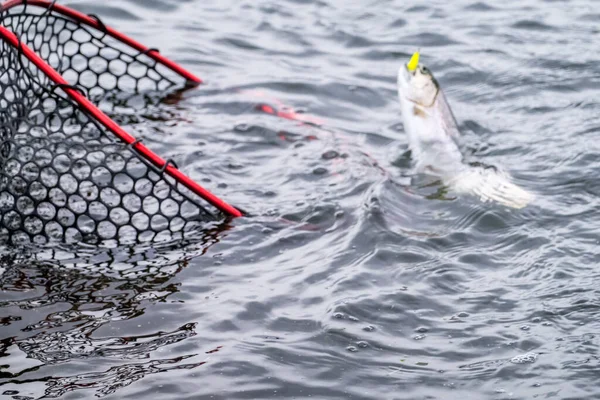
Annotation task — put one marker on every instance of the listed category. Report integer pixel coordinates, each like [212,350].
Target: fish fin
[490,184]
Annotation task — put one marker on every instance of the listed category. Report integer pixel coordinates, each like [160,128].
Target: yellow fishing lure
[414,62]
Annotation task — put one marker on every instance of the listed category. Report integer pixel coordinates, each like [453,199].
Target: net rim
[96,23]
[167,166]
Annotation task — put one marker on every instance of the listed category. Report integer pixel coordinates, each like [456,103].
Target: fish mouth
[414,80]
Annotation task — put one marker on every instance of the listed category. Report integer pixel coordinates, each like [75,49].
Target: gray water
[348,280]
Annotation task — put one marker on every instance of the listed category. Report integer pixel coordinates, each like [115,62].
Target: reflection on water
[87,287]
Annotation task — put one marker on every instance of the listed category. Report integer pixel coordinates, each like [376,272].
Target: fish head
[416,83]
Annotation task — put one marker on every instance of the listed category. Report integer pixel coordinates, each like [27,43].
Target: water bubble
[242,127]
[462,314]
[338,315]
[369,328]
[422,329]
[525,328]
[362,344]
[419,337]
[527,358]
[351,349]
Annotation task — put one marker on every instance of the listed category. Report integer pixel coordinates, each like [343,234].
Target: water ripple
[351,278]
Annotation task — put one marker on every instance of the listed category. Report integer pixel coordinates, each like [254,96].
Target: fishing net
[69,173]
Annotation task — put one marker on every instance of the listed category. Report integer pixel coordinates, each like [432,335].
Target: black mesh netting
[63,176]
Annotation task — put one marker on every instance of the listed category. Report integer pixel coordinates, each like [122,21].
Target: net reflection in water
[98,287]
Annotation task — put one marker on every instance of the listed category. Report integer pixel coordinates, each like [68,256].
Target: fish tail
[490,184]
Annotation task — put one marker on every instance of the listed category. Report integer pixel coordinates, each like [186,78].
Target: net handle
[99,25]
[113,127]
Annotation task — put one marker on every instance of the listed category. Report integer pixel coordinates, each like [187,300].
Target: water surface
[348,281]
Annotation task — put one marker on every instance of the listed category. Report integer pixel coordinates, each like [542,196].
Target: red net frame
[27,27]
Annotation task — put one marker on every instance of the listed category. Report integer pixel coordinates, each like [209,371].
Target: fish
[434,141]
